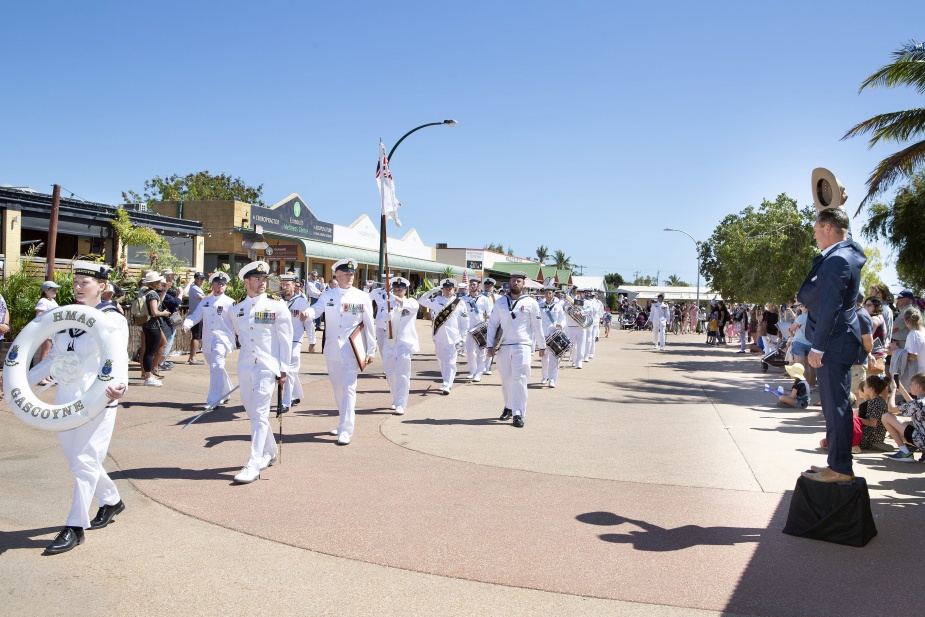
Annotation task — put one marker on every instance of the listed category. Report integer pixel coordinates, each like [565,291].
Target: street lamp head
[667,229]
[450,122]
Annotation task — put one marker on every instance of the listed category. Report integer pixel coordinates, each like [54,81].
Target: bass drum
[558,343]
[65,368]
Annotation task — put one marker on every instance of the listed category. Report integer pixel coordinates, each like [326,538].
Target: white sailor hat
[345,265]
[256,268]
[447,283]
[488,281]
[288,277]
[515,274]
[475,279]
[828,192]
[400,281]
[92,268]
[219,276]
[549,288]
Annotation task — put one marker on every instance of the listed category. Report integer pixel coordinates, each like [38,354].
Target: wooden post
[52,234]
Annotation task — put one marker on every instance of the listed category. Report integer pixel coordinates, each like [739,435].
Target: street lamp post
[696,246]
[382,226]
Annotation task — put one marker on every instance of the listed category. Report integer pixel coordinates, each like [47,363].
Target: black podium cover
[831,512]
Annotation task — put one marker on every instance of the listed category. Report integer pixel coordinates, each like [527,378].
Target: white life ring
[19,396]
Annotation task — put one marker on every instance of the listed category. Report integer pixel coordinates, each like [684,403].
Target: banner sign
[292,218]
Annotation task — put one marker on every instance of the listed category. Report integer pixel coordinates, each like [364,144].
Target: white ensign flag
[390,204]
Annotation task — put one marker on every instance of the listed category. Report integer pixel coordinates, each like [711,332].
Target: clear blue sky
[585,126]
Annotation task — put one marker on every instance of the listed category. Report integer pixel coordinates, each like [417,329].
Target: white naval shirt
[455,327]
[298,303]
[478,307]
[520,321]
[344,310]
[215,314]
[553,316]
[659,311]
[403,317]
[264,330]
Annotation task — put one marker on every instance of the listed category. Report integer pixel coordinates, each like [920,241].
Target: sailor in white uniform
[345,309]
[399,341]
[85,447]
[450,325]
[489,286]
[264,329]
[214,311]
[659,317]
[594,332]
[519,318]
[553,319]
[292,392]
[313,288]
[478,307]
[575,333]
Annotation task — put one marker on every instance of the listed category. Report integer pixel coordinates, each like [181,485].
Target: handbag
[175,319]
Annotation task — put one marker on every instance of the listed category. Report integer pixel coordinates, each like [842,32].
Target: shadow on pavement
[172,473]
[454,421]
[23,538]
[655,538]
[288,438]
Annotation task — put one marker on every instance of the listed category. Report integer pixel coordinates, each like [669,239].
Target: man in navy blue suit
[829,292]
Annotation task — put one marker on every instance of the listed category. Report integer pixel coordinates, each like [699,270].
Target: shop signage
[282,252]
[292,218]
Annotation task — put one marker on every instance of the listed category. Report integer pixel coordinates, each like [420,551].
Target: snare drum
[558,343]
[480,334]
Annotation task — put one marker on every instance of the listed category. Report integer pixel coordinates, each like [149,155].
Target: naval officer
[478,308]
[292,392]
[398,341]
[264,329]
[488,285]
[345,309]
[518,316]
[659,317]
[214,312]
[85,447]
[450,325]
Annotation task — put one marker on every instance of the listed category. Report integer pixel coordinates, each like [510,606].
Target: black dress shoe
[296,401]
[68,538]
[506,415]
[519,421]
[105,515]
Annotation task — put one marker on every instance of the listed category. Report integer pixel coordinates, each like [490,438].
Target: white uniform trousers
[342,372]
[475,356]
[593,332]
[446,359]
[293,387]
[514,366]
[85,449]
[658,333]
[258,389]
[396,363]
[311,333]
[219,382]
[550,364]
[579,338]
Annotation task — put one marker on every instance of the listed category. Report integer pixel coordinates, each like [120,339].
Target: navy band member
[397,348]
[553,319]
[519,318]
[478,308]
[264,329]
[450,325]
[577,334]
[214,315]
[344,308]
[85,447]
[489,292]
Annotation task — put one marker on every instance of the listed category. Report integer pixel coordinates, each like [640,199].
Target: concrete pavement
[646,483]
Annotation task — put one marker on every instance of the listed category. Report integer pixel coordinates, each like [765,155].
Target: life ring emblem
[57,417]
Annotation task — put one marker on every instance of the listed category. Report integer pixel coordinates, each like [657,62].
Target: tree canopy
[561,260]
[613,280]
[870,275]
[195,187]
[760,254]
[907,69]
[902,226]
[675,281]
[542,253]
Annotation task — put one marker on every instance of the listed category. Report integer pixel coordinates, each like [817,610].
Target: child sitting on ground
[908,435]
[875,394]
[799,392]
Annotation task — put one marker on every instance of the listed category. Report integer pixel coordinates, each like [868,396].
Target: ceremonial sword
[213,405]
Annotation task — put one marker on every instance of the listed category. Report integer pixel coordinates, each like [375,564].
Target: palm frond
[907,69]
[894,126]
[902,164]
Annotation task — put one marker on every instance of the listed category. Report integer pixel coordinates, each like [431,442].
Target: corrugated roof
[326,250]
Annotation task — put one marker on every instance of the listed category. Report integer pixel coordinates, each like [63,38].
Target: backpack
[140,315]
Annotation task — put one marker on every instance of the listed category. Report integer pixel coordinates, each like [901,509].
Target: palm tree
[542,253]
[562,260]
[675,281]
[907,69]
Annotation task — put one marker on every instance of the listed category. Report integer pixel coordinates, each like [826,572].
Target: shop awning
[324,250]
